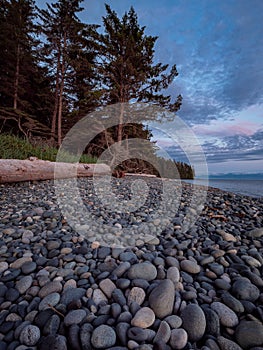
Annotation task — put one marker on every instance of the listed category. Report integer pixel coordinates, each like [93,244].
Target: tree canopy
[55,69]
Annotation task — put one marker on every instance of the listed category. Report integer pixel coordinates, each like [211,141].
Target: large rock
[178,338]
[243,289]
[30,335]
[226,316]
[143,318]
[103,337]
[194,322]
[146,271]
[249,334]
[227,344]
[190,266]
[161,299]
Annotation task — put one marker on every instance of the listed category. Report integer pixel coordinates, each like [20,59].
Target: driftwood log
[14,170]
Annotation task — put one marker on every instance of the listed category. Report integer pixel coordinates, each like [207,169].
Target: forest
[55,69]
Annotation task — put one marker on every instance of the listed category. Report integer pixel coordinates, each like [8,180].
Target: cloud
[227,128]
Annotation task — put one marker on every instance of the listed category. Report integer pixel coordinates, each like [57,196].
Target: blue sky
[217,46]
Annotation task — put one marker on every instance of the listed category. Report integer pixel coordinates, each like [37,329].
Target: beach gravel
[177,284]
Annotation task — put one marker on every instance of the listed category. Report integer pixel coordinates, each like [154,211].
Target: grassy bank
[12,147]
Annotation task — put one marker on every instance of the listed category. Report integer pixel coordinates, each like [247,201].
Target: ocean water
[253,188]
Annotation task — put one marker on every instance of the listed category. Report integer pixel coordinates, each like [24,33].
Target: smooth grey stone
[85,336]
[194,322]
[140,282]
[232,303]
[30,335]
[125,317]
[53,342]
[3,290]
[145,270]
[50,300]
[227,316]
[50,287]
[161,299]
[174,321]
[119,297]
[190,266]
[245,290]
[74,317]
[143,318]
[249,334]
[103,337]
[115,310]
[179,338]
[227,344]
[13,273]
[138,334]
[212,344]
[186,277]
[121,269]
[42,317]
[123,283]
[218,269]
[103,252]
[12,295]
[52,325]
[212,322]
[98,321]
[28,267]
[19,329]
[163,333]
[72,294]
[73,337]
[128,256]
[255,279]
[221,284]
[121,330]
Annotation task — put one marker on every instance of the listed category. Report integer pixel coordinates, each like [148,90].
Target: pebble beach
[200,288]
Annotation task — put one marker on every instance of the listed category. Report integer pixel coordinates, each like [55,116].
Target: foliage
[22,80]
[55,69]
[127,63]
[21,123]
[68,55]
[12,147]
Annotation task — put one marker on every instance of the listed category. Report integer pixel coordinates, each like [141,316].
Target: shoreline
[200,289]
[233,186]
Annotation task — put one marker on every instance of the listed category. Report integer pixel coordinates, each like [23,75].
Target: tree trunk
[16,82]
[61,90]
[120,126]
[14,170]
[54,117]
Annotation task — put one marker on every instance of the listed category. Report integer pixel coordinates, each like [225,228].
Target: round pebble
[143,318]
[103,337]
[30,335]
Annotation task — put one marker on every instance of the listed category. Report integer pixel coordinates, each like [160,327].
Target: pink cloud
[226,128]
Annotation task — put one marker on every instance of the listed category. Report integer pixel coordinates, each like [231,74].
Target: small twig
[217,217]
[55,310]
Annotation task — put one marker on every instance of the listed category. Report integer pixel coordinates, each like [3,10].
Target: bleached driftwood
[14,170]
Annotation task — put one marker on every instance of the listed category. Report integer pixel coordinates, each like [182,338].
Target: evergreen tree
[17,43]
[67,53]
[127,65]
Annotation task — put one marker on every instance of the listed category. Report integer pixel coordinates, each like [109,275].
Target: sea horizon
[249,186]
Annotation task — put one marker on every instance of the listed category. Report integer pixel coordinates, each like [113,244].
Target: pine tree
[127,65]
[67,53]
[17,44]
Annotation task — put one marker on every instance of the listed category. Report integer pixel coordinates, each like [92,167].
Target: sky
[217,46]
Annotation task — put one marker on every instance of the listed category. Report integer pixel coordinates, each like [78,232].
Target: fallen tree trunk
[14,170]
